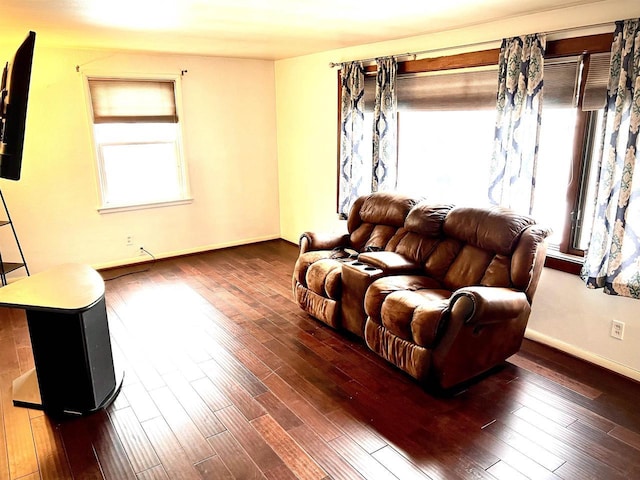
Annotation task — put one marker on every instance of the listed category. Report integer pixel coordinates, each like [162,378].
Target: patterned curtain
[351,184]
[519,108]
[385,146]
[613,258]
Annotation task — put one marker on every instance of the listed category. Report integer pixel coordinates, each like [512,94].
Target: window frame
[566,258]
[182,176]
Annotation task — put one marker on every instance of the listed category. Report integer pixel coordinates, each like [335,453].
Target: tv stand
[67,319]
[8,267]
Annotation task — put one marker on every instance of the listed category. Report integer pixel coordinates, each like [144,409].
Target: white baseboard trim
[178,253]
[582,354]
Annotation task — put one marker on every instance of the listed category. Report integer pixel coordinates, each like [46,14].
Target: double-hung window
[137,137]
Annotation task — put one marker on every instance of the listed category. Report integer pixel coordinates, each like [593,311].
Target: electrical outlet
[617,329]
[129,240]
[141,251]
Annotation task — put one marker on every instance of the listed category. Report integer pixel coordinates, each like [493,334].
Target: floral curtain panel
[352,166]
[385,146]
[613,258]
[519,107]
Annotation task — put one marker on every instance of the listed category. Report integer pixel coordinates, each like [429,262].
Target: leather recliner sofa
[444,293]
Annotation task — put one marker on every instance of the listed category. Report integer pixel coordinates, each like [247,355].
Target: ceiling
[268,29]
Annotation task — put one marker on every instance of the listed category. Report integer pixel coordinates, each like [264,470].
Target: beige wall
[566,314]
[229,144]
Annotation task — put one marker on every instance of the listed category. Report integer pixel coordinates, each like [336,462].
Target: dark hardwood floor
[226,378]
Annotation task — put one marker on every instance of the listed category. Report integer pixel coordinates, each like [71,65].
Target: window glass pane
[140,173]
[444,156]
[554,171]
[589,195]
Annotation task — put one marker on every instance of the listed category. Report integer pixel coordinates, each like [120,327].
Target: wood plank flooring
[226,378]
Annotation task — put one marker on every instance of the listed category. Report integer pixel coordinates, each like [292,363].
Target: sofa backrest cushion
[481,246]
[374,219]
[384,208]
[412,245]
[421,233]
[426,219]
[495,229]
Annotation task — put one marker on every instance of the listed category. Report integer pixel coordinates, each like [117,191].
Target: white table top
[68,287]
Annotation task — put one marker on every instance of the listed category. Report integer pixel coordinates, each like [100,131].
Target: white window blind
[595,93]
[562,77]
[561,82]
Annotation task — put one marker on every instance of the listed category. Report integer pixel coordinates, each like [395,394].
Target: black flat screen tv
[13,108]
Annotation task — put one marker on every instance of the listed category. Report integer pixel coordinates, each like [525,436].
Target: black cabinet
[67,318]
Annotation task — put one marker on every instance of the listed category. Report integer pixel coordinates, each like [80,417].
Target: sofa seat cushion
[415,315]
[324,278]
[381,288]
[303,262]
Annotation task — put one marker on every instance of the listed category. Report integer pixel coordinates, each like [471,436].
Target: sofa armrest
[484,305]
[485,327]
[322,241]
[390,262]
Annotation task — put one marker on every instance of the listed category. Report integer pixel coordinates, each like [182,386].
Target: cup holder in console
[363,267]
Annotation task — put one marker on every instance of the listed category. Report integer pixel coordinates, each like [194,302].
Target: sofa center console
[357,276]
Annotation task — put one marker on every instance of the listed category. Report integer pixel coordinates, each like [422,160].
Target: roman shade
[475,88]
[133,101]
[471,89]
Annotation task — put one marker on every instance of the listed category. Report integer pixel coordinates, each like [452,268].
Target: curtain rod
[477,44]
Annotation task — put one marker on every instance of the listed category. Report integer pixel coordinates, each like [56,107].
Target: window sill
[564,262]
[143,206]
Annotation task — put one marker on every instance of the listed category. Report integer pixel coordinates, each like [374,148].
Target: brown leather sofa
[442,292]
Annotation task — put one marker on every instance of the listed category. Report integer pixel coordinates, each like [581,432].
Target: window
[137,139]
[569,140]
[435,119]
[437,111]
